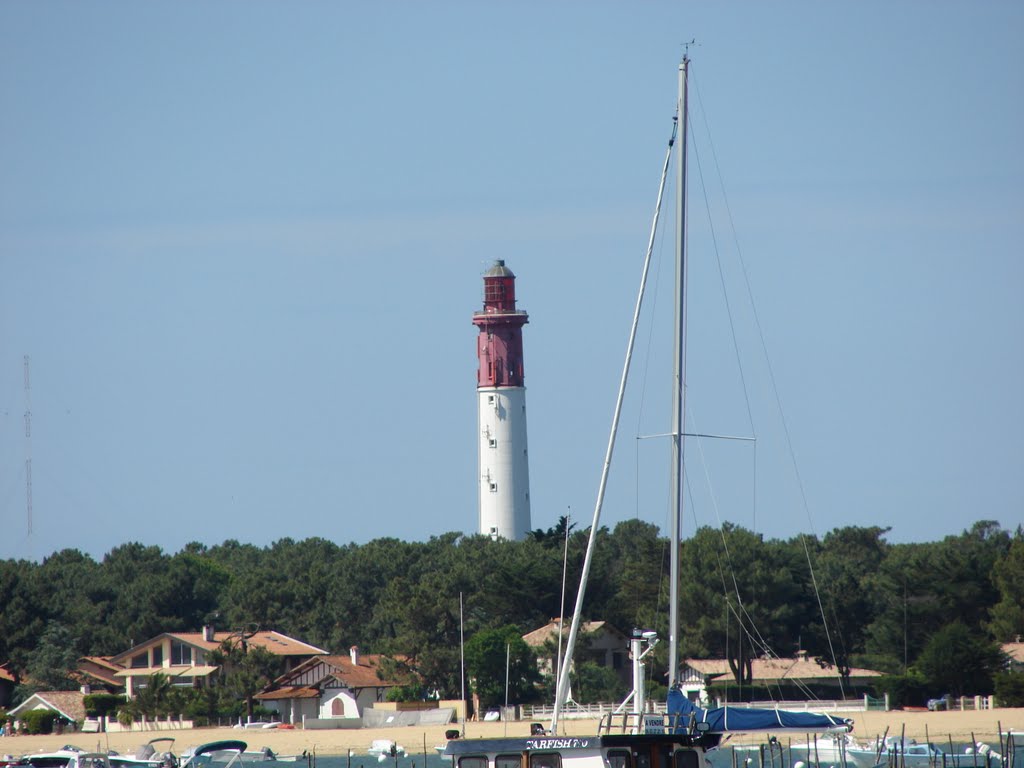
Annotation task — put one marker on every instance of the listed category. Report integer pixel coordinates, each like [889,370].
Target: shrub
[39,721]
[595,683]
[102,704]
[909,690]
[126,715]
[1009,689]
[412,692]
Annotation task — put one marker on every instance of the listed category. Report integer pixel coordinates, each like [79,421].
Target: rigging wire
[747,624]
[560,694]
[771,373]
[647,356]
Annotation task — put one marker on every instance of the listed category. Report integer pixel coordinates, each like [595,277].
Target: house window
[158,656]
[181,654]
[616,660]
[141,661]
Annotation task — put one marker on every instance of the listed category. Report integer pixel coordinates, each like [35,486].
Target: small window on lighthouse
[494,487]
[490,399]
[492,443]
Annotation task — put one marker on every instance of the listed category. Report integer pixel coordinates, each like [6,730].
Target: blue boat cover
[750,719]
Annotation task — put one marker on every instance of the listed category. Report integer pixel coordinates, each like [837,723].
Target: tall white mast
[563,676]
[678,385]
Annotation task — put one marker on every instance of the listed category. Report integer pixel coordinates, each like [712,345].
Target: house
[1015,655]
[327,687]
[697,674]
[69,705]
[182,656]
[97,673]
[7,683]
[597,641]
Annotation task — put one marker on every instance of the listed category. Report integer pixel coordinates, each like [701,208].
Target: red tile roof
[68,703]
[799,668]
[275,642]
[1015,651]
[289,692]
[98,668]
[364,674]
[549,631]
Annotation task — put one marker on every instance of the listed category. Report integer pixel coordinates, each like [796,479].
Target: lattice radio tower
[28,447]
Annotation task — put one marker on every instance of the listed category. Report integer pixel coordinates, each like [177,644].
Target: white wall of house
[607,649]
[693,685]
[338,702]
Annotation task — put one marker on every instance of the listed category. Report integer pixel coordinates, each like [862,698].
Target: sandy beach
[936,726]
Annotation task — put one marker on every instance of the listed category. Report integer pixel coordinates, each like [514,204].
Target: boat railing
[647,722]
[573,710]
[815,705]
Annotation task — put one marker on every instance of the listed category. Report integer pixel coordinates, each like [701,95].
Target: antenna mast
[28,447]
[678,383]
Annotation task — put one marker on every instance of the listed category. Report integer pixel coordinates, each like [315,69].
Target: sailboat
[680,737]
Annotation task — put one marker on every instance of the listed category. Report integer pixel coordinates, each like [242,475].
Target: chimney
[208,633]
[353,653]
[802,655]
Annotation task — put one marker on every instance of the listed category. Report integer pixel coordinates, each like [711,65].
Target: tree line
[929,615]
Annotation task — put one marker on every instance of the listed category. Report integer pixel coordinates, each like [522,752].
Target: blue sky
[242,244]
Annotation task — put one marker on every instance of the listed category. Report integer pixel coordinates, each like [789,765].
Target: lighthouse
[504,480]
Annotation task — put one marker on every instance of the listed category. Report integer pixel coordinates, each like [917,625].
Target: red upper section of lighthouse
[499,346]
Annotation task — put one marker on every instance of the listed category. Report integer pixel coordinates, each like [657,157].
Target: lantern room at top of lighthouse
[500,341]
[499,288]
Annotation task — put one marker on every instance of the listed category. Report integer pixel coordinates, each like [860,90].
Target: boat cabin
[632,744]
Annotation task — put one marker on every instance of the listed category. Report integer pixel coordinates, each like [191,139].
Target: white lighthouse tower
[501,408]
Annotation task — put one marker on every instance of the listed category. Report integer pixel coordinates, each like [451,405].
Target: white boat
[385,749]
[913,754]
[66,757]
[232,752]
[843,751]
[227,751]
[639,738]
[1012,746]
[835,751]
[267,754]
[155,753]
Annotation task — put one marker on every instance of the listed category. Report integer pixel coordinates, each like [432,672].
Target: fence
[571,711]
[94,725]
